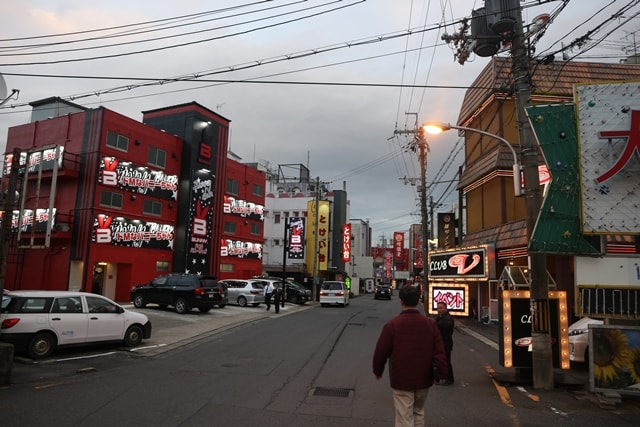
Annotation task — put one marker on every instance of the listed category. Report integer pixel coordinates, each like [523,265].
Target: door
[69,320]
[105,323]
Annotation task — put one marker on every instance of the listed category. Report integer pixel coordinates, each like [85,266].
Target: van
[334,293]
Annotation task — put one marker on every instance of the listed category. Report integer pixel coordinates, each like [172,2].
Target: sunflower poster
[614,354]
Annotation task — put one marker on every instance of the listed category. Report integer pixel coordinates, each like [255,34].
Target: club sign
[466,264]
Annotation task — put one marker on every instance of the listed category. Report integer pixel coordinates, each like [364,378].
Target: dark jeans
[276,303]
[447,351]
[267,300]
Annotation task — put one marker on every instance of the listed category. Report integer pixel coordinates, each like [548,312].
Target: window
[99,305]
[67,305]
[233,187]
[228,268]
[111,199]
[296,214]
[229,227]
[258,190]
[276,218]
[276,242]
[117,141]
[157,157]
[151,207]
[256,229]
[162,265]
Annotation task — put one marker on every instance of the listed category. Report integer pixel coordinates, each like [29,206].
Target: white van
[334,293]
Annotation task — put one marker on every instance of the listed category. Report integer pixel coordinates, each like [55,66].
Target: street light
[436,128]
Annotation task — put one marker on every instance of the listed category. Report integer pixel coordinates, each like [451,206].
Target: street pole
[421,142]
[542,363]
[315,240]
[285,244]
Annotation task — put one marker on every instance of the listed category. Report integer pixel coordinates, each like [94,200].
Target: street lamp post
[542,369]
[436,128]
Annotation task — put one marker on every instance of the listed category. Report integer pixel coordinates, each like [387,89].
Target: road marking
[502,391]
[533,397]
[91,356]
[147,347]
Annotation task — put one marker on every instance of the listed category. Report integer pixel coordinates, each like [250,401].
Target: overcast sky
[312,82]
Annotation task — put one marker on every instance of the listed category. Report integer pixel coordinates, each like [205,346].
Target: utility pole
[316,248]
[422,146]
[539,301]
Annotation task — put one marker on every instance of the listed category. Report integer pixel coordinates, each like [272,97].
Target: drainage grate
[331,392]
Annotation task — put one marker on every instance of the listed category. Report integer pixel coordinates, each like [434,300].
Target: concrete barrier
[6,363]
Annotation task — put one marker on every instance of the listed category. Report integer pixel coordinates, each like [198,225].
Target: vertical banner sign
[446,230]
[418,253]
[318,215]
[323,235]
[200,223]
[296,238]
[387,264]
[346,243]
[398,246]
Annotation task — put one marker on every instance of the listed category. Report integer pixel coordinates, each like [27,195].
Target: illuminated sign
[242,208]
[469,264]
[137,179]
[446,230]
[398,245]
[296,238]
[609,141]
[346,243]
[454,295]
[516,340]
[133,233]
[240,249]
[46,158]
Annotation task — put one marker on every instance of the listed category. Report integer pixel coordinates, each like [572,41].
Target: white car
[38,322]
[334,293]
[579,339]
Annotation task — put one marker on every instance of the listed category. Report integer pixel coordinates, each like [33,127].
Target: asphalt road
[307,365]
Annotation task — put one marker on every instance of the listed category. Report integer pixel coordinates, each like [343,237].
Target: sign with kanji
[609,139]
[346,243]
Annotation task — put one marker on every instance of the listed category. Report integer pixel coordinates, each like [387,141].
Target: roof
[555,80]
[507,235]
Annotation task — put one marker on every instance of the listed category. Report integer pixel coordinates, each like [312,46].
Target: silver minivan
[334,293]
[245,291]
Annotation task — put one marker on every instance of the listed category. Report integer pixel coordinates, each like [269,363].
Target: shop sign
[464,264]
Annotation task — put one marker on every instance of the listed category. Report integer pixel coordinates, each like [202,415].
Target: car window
[99,305]
[186,282]
[34,305]
[67,305]
[209,283]
[160,281]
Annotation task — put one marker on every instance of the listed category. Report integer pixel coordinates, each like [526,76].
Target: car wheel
[42,345]
[138,301]
[242,301]
[204,309]
[133,337]
[182,306]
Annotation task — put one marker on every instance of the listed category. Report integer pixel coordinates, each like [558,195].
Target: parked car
[579,339]
[243,292]
[296,293]
[181,291]
[334,293]
[382,291]
[38,322]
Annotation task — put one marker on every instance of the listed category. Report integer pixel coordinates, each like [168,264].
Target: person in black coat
[277,296]
[445,325]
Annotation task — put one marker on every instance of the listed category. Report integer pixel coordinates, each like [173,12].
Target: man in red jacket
[413,344]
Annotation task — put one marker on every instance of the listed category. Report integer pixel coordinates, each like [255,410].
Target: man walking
[277,297]
[412,343]
[445,326]
[268,291]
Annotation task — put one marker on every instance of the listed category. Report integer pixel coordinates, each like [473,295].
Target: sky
[328,84]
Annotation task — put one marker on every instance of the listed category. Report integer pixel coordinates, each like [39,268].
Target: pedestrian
[268,291]
[446,325]
[277,297]
[413,345]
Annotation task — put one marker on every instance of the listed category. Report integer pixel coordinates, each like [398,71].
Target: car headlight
[577,332]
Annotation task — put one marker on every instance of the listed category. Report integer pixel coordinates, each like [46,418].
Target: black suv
[182,291]
[296,293]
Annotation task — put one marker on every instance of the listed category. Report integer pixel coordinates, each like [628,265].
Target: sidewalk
[490,335]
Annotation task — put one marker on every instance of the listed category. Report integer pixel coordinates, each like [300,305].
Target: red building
[106,202]
[243,222]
